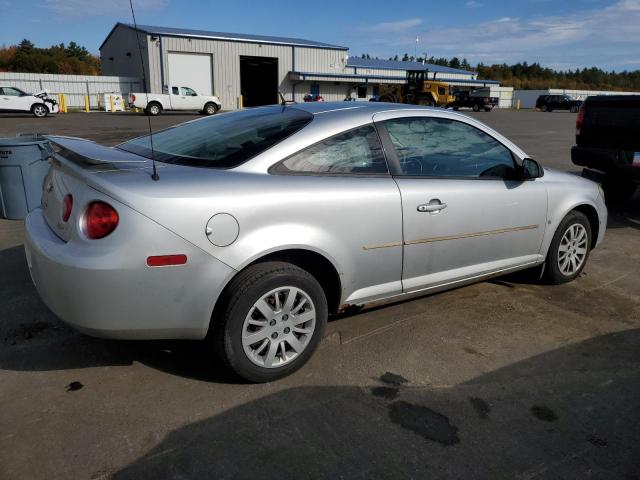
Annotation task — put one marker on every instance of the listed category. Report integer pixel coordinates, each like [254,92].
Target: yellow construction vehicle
[418,90]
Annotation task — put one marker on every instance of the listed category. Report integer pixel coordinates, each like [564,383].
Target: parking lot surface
[503,379]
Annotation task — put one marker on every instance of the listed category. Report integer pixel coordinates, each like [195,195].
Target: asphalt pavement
[504,379]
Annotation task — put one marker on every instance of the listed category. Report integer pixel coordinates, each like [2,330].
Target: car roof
[354,109]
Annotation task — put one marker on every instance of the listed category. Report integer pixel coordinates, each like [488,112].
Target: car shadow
[32,338]
[568,413]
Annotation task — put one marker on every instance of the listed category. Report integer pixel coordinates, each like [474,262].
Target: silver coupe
[265,221]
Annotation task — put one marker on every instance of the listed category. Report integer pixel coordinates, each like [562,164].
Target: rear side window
[357,151]
[438,147]
[222,141]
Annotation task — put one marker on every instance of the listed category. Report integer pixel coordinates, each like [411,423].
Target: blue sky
[559,34]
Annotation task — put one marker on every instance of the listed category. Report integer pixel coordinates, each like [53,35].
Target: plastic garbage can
[23,166]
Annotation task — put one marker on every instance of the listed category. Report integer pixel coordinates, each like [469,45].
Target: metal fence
[75,87]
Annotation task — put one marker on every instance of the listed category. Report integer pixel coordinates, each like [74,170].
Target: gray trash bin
[23,166]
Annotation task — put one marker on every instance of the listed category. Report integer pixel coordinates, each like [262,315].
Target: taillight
[133,97]
[67,206]
[580,119]
[100,220]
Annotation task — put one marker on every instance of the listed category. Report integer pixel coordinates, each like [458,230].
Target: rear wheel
[210,109]
[544,108]
[476,107]
[574,109]
[488,109]
[154,109]
[271,322]
[39,110]
[569,249]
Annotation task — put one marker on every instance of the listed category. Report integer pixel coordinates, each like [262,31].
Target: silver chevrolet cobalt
[265,221]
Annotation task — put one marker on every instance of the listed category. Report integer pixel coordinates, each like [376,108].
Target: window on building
[357,151]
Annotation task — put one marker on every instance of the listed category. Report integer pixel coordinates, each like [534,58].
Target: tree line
[70,59]
[533,76]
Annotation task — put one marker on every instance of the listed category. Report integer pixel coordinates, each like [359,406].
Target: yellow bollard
[518,104]
[98,101]
[240,102]
[86,103]
[111,101]
[64,103]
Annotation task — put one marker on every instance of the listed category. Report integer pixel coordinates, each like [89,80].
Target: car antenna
[154,176]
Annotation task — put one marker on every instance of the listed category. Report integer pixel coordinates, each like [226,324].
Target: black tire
[210,108]
[617,191]
[553,272]
[544,108]
[238,300]
[39,110]
[488,109]
[425,102]
[573,109]
[153,109]
[476,107]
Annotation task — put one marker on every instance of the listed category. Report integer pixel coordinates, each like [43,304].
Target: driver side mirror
[531,169]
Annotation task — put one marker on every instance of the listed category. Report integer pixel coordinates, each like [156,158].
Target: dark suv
[548,103]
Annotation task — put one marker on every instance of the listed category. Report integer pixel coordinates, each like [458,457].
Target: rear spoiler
[87,152]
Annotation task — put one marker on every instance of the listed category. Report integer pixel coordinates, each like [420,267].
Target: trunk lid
[75,170]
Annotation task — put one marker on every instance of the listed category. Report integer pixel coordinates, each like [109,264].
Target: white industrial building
[257,67]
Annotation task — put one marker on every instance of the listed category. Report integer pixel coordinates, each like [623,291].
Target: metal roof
[397,65]
[237,37]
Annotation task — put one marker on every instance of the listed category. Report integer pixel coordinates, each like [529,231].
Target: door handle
[434,205]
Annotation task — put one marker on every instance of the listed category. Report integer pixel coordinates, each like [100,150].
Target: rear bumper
[114,294]
[613,162]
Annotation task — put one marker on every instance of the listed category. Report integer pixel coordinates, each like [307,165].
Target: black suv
[548,103]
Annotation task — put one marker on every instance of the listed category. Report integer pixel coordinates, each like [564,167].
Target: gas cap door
[222,229]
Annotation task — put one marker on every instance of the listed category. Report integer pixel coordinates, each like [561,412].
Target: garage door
[191,70]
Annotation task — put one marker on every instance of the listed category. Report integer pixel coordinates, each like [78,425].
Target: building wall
[123,41]
[226,63]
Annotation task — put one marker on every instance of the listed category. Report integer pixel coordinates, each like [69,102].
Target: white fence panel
[75,87]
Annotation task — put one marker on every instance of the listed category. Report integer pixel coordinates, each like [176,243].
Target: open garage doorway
[258,81]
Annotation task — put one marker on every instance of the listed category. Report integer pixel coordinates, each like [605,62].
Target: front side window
[438,147]
[357,151]
[12,92]
[187,92]
[222,141]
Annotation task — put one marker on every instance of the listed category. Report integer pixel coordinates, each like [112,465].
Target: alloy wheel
[278,327]
[572,250]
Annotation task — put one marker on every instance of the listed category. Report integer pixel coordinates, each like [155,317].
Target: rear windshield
[222,141]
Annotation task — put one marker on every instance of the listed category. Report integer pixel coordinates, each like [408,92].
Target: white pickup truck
[13,99]
[179,98]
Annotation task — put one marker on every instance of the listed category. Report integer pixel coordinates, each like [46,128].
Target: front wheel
[544,108]
[476,107]
[488,109]
[272,321]
[573,109]
[569,249]
[39,110]
[210,109]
